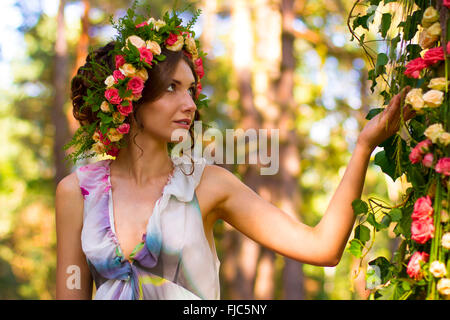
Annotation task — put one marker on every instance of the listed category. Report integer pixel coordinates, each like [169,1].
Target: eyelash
[173,84]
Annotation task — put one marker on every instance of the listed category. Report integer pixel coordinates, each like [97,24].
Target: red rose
[443,166]
[118,75]
[124,128]
[433,56]
[414,271]
[427,160]
[424,146]
[199,89]
[447,4]
[136,85]
[104,139]
[113,151]
[112,95]
[120,61]
[125,110]
[422,208]
[415,156]
[146,55]
[142,24]
[414,67]
[422,230]
[199,68]
[171,39]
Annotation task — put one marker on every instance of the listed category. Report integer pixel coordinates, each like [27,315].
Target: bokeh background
[271,64]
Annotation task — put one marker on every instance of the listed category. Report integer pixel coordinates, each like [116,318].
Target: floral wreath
[137,48]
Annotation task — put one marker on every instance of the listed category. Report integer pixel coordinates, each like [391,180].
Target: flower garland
[137,48]
[420,269]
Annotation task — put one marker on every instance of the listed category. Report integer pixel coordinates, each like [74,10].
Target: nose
[189,105]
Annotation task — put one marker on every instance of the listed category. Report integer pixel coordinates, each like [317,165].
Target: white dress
[174,259]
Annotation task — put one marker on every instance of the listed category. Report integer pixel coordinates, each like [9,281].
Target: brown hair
[160,76]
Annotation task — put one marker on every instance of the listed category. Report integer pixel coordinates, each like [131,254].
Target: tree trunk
[60,85]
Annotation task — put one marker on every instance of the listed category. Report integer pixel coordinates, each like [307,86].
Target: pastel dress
[173,260]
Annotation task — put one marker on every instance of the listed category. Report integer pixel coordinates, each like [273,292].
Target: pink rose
[199,89]
[427,160]
[120,61]
[443,166]
[112,95]
[447,4]
[125,110]
[171,39]
[414,271]
[136,85]
[414,67]
[118,75]
[199,68]
[113,151]
[146,55]
[422,230]
[415,156]
[424,146]
[123,128]
[142,24]
[422,208]
[433,55]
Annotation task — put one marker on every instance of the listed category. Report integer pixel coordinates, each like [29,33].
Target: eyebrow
[179,82]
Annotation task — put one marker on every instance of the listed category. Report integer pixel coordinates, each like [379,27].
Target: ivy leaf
[356,248]
[359,207]
[362,233]
[386,165]
[395,214]
[385,24]
[382,60]
[373,112]
[386,221]
[371,219]
[384,267]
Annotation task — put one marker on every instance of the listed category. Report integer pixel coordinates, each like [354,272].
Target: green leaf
[395,214]
[373,112]
[385,24]
[386,221]
[382,60]
[362,233]
[371,219]
[359,207]
[386,165]
[356,248]
[384,266]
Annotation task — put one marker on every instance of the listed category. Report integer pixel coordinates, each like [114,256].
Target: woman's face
[162,117]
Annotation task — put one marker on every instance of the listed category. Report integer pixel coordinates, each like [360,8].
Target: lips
[185,123]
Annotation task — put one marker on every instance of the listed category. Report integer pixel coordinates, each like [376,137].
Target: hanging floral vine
[415,54]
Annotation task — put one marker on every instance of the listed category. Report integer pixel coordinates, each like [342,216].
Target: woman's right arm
[73,278]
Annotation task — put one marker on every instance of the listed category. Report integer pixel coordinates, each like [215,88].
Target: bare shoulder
[68,198]
[69,187]
[216,185]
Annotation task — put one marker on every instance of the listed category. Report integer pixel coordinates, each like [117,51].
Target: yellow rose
[136,41]
[429,16]
[118,117]
[110,81]
[96,136]
[443,286]
[445,241]
[105,107]
[114,135]
[435,29]
[445,138]
[433,98]
[178,45]
[438,269]
[437,84]
[414,98]
[99,147]
[434,131]
[154,47]
[191,46]
[142,73]
[426,40]
[128,70]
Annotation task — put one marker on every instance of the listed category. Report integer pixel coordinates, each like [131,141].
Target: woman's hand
[386,123]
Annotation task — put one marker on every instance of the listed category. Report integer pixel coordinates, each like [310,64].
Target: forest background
[280,64]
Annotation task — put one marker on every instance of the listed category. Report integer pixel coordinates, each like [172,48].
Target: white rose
[444,138]
[128,70]
[437,84]
[136,41]
[99,147]
[438,269]
[154,47]
[433,98]
[445,241]
[435,29]
[110,81]
[158,24]
[414,98]
[105,107]
[443,286]
[429,16]
[434,131]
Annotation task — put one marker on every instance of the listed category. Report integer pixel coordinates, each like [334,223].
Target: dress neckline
[111,220]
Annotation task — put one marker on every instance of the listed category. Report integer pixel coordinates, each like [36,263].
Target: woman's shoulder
[217,182]
[69,187]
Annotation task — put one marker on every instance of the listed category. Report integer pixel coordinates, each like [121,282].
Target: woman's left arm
[323,244]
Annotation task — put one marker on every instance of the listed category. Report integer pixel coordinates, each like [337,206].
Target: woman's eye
[171,87]
[192,91]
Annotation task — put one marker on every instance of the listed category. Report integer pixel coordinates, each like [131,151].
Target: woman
[106,231]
